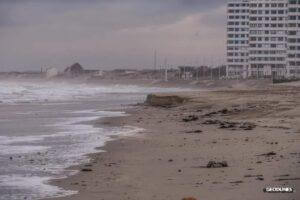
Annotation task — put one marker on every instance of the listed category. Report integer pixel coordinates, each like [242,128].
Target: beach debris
[287,179]
[272,153]
[110,164]
[277,127]
[209,114]
[236,182]
[86,170]
[249,176]
[283,175]
[210,122]
[198,131]
[260,178]
[216,182]
[230,125]
[247,126]
[190,118]
[165,100]
[214,164]
[189,198]
[227,125]
[170,160]
[223,111]
[11,158]
[195,131]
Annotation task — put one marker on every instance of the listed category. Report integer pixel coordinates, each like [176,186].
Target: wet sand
[257,132]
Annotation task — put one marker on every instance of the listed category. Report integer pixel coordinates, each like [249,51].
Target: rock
[164,100]
[213,164]
[170,160]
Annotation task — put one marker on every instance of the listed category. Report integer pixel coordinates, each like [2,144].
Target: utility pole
[211,69]
[155,60]
[165,66]
[220,65]
[197,67]
[203,75]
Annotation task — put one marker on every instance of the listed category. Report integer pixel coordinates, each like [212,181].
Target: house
[74,70]
[51,72]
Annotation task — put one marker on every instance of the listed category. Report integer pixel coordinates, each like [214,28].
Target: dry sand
[167,161]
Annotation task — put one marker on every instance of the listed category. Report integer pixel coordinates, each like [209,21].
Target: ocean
[43,131]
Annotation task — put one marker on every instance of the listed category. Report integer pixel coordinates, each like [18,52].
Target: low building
[51,72]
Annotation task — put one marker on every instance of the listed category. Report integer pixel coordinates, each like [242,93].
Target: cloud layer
[109,33]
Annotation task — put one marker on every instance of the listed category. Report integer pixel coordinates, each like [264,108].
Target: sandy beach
[255,131]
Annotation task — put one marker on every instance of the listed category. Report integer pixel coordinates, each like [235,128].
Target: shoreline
[168,160]
[108,148]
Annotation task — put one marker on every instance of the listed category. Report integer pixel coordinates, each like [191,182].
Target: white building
[293,38]
[237,38]
[262,38]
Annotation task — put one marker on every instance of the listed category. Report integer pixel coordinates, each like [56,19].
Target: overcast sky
[110,33]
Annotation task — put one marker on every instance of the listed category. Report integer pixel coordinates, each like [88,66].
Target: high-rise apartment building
[293,38]
[263,38]
[237,38]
